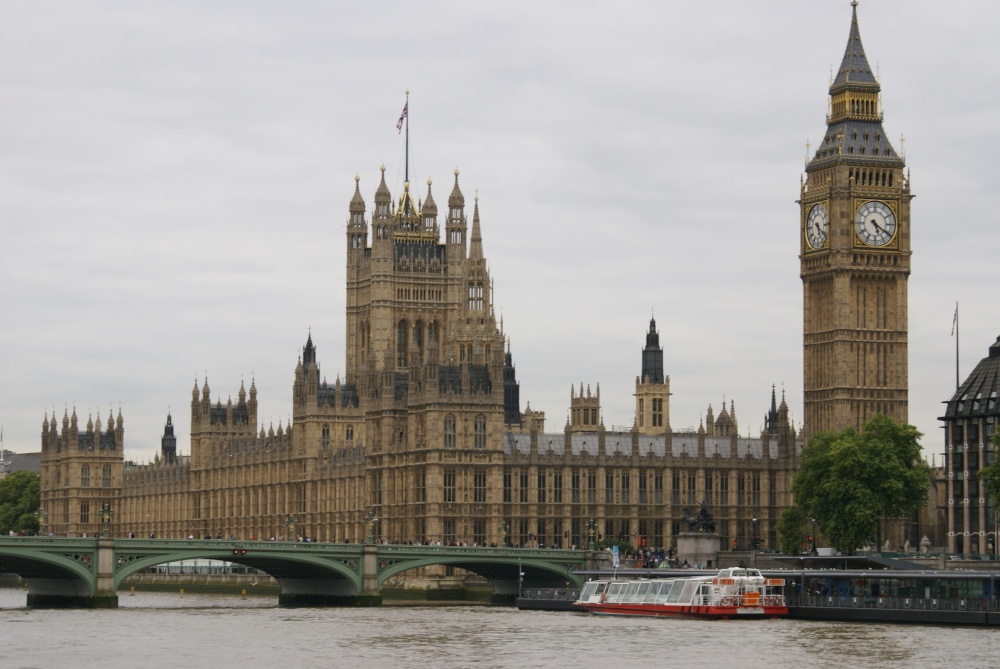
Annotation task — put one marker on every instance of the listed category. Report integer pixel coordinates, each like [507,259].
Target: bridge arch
[54,570]
[301,569]
[506,569]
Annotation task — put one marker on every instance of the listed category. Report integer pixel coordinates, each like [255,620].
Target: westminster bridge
[87,572]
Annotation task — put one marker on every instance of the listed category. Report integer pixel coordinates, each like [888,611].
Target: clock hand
[879,227]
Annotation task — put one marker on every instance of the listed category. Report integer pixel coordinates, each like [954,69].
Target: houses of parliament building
[424,438]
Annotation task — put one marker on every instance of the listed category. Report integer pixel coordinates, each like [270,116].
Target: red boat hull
[684,611]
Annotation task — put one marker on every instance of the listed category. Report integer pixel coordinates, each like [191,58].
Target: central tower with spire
[854,233]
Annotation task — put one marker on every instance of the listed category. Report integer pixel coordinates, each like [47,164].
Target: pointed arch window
[325,437]
[449,431]
[479,432]
[479,296]
[106,476]
[85,476]
[401,337]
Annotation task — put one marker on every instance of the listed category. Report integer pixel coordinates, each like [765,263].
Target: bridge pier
[72,593]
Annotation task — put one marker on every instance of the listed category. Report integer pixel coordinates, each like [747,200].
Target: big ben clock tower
[855,258]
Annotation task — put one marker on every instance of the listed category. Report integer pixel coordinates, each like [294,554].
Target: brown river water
[152,630]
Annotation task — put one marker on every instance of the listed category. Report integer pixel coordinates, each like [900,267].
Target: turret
[168,442]
[455,226]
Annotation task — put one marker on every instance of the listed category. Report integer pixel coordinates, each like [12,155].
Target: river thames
[152,630]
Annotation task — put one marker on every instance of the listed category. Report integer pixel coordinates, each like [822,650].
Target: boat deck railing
[890,603]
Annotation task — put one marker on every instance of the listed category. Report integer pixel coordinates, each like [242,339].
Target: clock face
[816,226]
[875,223]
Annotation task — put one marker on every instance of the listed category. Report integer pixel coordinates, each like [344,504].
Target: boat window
[589,590]
[690,587]
[675,591]
[653,592]
[630,592]
[614,591]
[641,593]
[664,591]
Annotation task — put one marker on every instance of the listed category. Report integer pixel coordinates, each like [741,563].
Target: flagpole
[957,337]
[407,176]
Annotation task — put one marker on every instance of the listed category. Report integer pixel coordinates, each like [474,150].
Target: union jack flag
[399,123]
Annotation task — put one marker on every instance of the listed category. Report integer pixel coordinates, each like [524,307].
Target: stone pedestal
[699,549]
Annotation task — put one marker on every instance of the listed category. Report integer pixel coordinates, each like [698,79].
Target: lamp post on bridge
[812,548]
[290,524]
[591,531]
[754,544]
[370,520]
[42,517]
[504,529]
[107,513]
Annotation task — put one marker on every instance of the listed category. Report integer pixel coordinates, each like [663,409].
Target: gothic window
[401,336]
[557,486]
[479,531]
[609,488]
[349,433]
[541,487]
[574,487]
[420,483]
[479,436]
[472,296]
[591,486]
[479,486]
[643,498]
[625,487]
[449,485]
[85,476]
[448,530]
[691,496]
[507,484]
[523,481]
[675,488]
[741,490]
[84,512]
[449,431]
[755,489]
[479,296]
[106,476]
[658,489]
[724,488]
[325,437]
[657,412]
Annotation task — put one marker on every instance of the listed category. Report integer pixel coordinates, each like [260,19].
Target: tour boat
[733,593]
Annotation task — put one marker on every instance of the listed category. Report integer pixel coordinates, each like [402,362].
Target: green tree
[792,530]
[19,500]
[850,481]
[990,475]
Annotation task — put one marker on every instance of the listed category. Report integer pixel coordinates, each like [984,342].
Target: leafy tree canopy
[851,480]
[791,529]
[19,499]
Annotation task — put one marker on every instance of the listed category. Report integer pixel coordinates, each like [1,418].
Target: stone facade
[423,440]
[855,259]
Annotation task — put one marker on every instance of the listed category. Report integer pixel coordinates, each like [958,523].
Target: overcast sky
[175,180]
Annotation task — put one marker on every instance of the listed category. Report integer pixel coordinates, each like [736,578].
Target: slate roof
[978,395]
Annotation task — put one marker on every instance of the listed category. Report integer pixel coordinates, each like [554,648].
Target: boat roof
[846,562]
